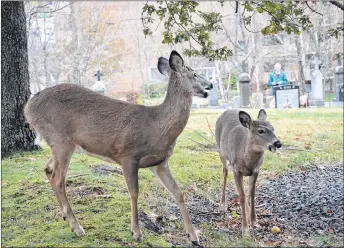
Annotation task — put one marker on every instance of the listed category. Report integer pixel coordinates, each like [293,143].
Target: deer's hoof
[137,236]
[246,232]
[193,235]
[196,243]
[79,231]
[223,208]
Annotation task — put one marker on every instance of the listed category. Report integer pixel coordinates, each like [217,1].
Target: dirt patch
[305,205]
[209,147]
[106,169]
[150,223]
[85,192]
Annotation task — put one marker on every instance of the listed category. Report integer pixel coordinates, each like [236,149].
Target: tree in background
[184,21]
[15,133]
[187,22]
[69,42]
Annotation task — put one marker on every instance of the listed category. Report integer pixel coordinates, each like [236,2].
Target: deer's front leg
[130,172]
[164,174]
[238,178]
[252,188]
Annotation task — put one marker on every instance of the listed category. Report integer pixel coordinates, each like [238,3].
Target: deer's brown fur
[242,143]
[135,136]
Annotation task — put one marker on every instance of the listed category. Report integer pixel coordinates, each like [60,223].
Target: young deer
[241,143]
[68,116]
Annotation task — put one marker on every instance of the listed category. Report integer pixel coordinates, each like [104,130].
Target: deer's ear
[245,119]
[176,61]
[262,115]
[163,66]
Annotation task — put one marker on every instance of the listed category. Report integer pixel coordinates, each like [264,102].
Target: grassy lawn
[30,213]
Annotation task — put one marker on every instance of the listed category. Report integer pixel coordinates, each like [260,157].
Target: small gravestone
[236,102]
[317,92]
[213,98]
[224,106]
[245,89]
[287,96]
[339,82]
[98,86]
[195,106]
[257,100]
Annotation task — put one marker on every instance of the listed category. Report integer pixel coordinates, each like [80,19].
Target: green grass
[30,213]
[329,96]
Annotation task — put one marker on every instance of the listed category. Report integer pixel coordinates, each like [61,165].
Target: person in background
[277,77]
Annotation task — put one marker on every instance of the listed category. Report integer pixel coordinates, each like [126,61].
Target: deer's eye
[195,75]
[261,131]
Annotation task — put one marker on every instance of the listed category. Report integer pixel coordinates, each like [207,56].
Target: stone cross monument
[317,92]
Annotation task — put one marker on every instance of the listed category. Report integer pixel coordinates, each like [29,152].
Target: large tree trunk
[15,91]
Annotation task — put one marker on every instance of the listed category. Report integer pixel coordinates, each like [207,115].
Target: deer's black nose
[209,87]
[278,144]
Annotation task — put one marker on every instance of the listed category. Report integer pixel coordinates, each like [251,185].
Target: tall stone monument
[317,91]
[339,83]
[245,89]
[213,99]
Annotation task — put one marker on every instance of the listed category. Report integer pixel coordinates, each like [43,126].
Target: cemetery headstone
[339,82]
[287,96]
[98,86]
[195,106]
[244,89]
[257,100]
[213,98]
[236,102]
[317,92]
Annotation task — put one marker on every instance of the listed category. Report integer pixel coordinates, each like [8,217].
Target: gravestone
[317,92]
[236,101]
[339,83]
[244,89]
[98,86]
[257,100]
[213,98]
[287,96]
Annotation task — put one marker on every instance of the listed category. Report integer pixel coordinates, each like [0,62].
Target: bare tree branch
[313,9]
[338,4]
[209,127]
[179,25]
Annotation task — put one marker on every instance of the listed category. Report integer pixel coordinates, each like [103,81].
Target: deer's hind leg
[163,172]
[130,171]
[56,170]
[223,201]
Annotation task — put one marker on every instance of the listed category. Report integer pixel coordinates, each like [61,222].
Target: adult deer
[242,143]
[135,136]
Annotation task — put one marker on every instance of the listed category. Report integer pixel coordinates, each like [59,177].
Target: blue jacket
[273,79]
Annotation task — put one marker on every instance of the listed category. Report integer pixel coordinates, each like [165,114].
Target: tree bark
[15,90]
[301,62]
[75,46]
